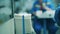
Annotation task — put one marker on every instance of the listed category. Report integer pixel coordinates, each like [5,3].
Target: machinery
[23,24]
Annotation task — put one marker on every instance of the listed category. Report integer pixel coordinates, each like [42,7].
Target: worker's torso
[38,6]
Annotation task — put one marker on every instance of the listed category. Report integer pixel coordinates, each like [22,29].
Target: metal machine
[23,24]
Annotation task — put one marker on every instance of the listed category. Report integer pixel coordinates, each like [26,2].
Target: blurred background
[10,7]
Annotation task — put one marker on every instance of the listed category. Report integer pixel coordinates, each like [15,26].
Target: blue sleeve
[34,8]
[51,6]
[57,16]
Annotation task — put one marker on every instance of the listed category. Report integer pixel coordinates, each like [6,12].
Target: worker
[57,15]
[43,5]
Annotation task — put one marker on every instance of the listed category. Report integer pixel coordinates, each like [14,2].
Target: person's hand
[47,8]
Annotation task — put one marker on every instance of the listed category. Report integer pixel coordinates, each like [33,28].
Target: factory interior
[15,17]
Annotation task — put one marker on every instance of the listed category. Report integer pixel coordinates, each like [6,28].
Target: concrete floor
[8,28]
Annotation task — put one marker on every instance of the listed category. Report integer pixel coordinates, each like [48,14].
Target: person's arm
[49,6]
[33,10]
[57,16]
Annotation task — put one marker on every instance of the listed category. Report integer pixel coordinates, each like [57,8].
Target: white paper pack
[19,23]
[47,14]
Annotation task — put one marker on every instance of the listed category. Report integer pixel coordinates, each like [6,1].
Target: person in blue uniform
[57,15]
[38,23]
